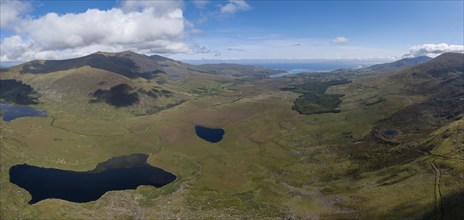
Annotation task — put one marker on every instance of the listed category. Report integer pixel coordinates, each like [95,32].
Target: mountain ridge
[384,68]
[133,65]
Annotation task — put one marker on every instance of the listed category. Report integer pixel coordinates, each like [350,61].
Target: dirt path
[439,209]
[52,124]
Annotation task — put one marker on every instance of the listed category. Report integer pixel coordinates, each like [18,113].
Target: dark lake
[10,112]
[212,135]
[391,132]
[118,173]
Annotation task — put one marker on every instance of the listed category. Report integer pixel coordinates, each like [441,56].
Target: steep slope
[127,63]
[442,77]
[386,67]
[397,65]
[440,84]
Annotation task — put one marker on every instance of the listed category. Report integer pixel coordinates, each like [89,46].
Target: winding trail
[438,197]
[52,124]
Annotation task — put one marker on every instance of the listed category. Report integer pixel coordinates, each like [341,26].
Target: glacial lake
[118,173]
[289,73]
[212,135]
[10,112]
[391,132]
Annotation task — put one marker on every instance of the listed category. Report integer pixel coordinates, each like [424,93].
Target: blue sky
[232,29]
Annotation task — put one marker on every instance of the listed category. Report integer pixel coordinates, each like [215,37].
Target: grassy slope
[272,162]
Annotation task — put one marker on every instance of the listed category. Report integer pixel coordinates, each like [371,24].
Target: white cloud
[234,6]
[142,26]
[11,12]
[340,40]
[433,49]
[13,46]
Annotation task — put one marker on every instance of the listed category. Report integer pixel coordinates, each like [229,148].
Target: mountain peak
[126,63]
[391,67]
[121,53]
[442,65]
[451,55]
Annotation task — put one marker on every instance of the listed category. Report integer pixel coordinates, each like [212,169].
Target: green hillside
[301,147]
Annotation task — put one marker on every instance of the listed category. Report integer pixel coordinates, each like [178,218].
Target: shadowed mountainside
[441,81]
[397,65]
[440,78]
[17,92]
[119,96]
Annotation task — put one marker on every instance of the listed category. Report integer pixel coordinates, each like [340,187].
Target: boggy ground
[272,162]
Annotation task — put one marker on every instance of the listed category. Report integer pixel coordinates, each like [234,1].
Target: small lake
[212,135]
[118,173]
[391,132]
[10,112]
[289,72]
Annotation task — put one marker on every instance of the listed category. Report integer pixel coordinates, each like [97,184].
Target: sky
[231,29]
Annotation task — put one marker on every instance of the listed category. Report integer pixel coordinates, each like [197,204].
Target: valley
[336,145]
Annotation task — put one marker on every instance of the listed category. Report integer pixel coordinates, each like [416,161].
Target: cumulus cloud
[433,49]
[11,12]
[142,26]
[340,40]
[234,6]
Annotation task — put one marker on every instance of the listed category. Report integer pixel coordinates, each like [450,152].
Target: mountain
[434,92]
[441,65]
[386,67]
[133,65]
[127,63]
[124,79]
[397,65]
[141,81]
[440,77]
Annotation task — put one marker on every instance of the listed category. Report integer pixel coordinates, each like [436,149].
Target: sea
[297,66]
